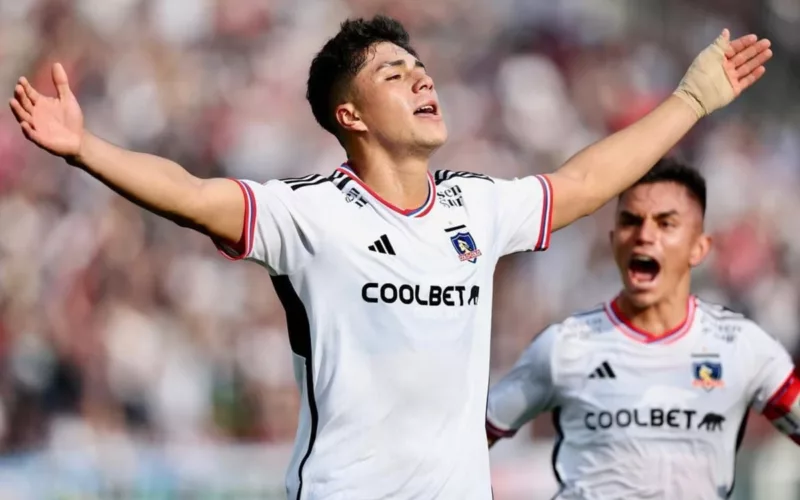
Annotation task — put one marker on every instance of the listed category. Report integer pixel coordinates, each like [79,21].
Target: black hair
[672,170]
[342,57]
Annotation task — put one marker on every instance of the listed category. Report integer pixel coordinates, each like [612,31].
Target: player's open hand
[723,71]
[744,61]
[52,123]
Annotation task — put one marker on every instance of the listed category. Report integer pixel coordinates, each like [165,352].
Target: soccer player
[650,392]
[388,291]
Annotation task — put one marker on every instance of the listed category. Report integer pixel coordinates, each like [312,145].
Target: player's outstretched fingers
[31,92]
[22,98]
[752,78]
[27,129]
[749,53]
[738,45]
[60,80]
[19,113]
[758,60]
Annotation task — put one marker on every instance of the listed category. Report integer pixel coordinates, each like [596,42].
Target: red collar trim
[415,212]
[624,325]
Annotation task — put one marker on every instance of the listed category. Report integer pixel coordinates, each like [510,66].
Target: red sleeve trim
[244,246]
[780,404]
[546,227]
[495,432]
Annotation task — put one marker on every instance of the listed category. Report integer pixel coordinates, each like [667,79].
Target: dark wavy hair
[672,170]
[342,57]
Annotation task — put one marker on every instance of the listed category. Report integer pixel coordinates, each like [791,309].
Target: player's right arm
[525,392]
[212,206]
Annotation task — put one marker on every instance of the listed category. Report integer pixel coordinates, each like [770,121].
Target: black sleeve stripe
[295,180]
[443,175]
[342,183]
[321,180]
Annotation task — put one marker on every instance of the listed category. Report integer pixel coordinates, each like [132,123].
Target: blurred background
[137,363]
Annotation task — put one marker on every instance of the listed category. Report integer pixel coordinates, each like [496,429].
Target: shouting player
[388,294]
[650,392]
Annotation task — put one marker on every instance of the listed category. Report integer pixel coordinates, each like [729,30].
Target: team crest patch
[465,246]
[707,375]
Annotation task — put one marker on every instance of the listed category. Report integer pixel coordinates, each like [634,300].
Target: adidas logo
[603,371]
[382,245]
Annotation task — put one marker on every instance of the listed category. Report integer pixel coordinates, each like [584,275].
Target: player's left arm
[526,391]
[783,408]
[603,170]
[774,384]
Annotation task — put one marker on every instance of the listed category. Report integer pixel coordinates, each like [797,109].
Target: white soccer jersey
[389,316]
[641,416]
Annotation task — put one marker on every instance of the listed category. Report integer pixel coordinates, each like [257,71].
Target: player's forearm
[154,183]
[606,168]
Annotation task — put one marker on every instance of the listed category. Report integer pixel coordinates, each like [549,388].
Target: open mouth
[427,110]
[643,268]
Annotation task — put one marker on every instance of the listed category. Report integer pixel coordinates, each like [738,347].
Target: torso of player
[389,318]
[672,406]
[408,293]
[400,347]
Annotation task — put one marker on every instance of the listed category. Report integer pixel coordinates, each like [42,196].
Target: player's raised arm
[55,124]
[718,75]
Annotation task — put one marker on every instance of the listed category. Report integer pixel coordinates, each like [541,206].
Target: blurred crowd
[117,327]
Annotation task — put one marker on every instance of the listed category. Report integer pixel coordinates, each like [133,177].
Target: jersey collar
[624,325]
[415,212]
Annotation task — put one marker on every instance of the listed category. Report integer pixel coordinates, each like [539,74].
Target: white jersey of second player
[641,416]
[389,316]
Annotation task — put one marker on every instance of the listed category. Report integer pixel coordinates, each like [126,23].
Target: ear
[349,118]
[700,249]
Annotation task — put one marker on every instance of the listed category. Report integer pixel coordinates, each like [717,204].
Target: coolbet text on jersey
[389,316]
[641,416]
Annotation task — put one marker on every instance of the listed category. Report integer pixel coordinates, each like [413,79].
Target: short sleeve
[275,231]
[526,391]
[772,367]
[524,214]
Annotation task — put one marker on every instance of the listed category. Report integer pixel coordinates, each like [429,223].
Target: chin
[641,300]
[429,146]
[434,137]
[642,297]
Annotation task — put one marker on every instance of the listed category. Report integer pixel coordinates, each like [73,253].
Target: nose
[647,232]
[424,82]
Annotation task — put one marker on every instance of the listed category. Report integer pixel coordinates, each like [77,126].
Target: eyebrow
[399,62]
[660,215]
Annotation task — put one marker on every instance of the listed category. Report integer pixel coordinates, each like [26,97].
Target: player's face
[394,100]
[657,239]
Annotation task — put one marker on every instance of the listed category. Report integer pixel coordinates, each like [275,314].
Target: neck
[400,180]
[657,319]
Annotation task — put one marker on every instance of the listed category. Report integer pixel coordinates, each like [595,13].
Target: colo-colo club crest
[465,246]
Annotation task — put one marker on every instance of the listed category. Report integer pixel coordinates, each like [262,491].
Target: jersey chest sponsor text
[655,418]
[423,295]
